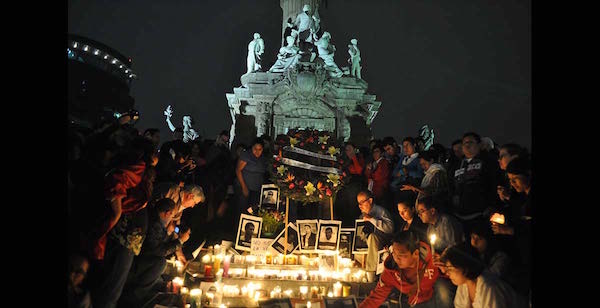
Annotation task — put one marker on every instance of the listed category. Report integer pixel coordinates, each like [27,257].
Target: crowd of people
[134,202]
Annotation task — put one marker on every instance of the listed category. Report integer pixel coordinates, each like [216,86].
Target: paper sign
[259,246]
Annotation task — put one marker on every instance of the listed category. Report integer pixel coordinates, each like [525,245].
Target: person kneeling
[410,270]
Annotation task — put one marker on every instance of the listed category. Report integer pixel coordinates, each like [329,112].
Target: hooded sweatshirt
[394,277]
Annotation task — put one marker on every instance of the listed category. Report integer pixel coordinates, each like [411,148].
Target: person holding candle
[410,270]
[447,229]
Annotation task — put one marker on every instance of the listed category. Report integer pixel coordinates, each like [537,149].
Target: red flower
[301,144]
[320,196]
[292,186]
[323,147]
[328,192]
[301,182]
[341,161]
[274,165]
[277,158]
[310,140]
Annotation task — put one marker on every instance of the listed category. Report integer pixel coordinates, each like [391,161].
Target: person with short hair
[250,175]
[154,135]
[409,171]
[447,229]
[377,173]
[381,221]
[410,269]
[435,181]
[477,288]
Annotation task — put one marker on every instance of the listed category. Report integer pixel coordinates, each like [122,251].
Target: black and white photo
[362,228]
[346,241]
[292,241]
[329,234]
[307,230]
[269,197]
[248,228]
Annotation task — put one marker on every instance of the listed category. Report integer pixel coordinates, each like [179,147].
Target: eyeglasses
[421,212]
[361,202]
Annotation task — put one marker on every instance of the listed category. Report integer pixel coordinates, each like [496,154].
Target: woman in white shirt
[477,288]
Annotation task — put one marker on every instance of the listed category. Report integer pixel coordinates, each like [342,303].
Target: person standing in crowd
[377,173]
[250,175]
[475,182]
[383,226]
[477,288]
[154,135]
[410,171]
[353,166]
[435,181]
[128,189]
[393,153]
[455,158]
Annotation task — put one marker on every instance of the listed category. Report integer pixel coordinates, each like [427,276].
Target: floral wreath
[320,176]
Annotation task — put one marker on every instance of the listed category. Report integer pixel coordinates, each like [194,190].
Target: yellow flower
[332,151]
[293,141]
[310,188]
[281,170]
[333,178]
[323,140]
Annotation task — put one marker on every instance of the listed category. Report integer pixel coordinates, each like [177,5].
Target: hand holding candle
[497,218]
[432,239]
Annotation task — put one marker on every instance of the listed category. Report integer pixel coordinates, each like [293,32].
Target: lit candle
[196,295]
[206,258]
[308,304]
[337,289]
[346,290]
[432,239]
[288,292]
[226,262]
[497,218]
[177,283]
[329,294]
[303,290]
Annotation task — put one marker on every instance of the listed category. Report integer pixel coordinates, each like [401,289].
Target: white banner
[309,153]
[299,164]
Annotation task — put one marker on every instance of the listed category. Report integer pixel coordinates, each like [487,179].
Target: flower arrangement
[307,148]
[272,221]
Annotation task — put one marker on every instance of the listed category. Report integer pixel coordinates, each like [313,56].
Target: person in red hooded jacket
[410,270]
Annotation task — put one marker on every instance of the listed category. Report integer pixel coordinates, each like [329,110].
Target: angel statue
[188,132]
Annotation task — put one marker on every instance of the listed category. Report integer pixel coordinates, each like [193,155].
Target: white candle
[432,238]
[337,289]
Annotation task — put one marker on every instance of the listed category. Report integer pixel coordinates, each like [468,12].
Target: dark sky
[455,65]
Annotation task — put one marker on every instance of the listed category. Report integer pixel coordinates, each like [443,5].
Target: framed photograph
[248,229]
[381,256]
[360,236]
[346,241]
[269,197]
[307,229]
[329,234]
[292,241]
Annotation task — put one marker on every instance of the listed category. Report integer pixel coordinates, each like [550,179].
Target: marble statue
[188,132]
[305,24]
[427,135]
[256,48]
[288,56]
[326,51]
[354,58]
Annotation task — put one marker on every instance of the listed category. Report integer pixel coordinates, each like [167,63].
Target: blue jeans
[117,263]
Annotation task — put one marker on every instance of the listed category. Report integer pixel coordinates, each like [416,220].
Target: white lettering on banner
[299,164]
[458,172]
[476,166]
[429,272]
[309,153]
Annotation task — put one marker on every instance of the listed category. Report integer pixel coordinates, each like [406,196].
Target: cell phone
[177,229]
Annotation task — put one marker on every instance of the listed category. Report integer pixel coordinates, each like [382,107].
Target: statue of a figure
[188,132]
[256,48]
[305,22]
[326,52]
[427,135]
[287,57]
[354,58]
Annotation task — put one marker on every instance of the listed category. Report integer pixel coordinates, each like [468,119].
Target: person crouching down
[410,270]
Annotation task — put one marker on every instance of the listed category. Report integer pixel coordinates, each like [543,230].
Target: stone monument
[302,90]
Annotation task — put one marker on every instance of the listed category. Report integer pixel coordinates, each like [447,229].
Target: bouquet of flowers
[272,221]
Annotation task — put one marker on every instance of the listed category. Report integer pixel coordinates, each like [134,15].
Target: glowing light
[114,61]
[75,45]
[121,66]
[86,48]
[105,57]
[433,237]
[96,52]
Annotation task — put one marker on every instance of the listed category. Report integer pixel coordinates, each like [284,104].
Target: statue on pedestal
[326,52]
[256,48]
[188,132]
[288,56]
[305,22]
[354,58]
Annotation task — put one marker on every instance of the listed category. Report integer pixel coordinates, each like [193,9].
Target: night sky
[455,65]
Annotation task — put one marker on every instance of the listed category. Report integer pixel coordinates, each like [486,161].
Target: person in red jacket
[378,175]
[410,270]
